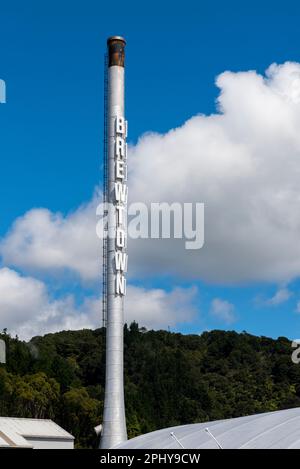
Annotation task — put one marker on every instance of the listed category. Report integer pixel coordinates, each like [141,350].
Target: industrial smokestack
[115,244]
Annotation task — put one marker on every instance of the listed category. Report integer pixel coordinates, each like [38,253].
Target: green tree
[81,413]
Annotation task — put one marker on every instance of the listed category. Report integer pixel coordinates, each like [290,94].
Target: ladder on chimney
[105,192]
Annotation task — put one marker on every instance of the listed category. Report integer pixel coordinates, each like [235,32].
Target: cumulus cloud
[156,308]
[152,308]
[281,296]
[223,310]
[44,241]
[27,309]
[243,163]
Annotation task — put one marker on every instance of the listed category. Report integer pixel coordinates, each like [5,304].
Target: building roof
[14,431]
[278,430]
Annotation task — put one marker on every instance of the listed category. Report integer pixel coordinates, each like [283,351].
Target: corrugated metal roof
[276,430]
[14,431]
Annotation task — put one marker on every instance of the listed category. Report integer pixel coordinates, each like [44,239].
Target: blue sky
[51,127]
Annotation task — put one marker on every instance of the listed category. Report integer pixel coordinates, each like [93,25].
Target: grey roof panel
[280,429]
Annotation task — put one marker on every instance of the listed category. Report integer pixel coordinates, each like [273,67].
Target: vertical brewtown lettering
[121,194]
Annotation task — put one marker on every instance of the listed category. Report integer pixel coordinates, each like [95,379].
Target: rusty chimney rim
[116,38]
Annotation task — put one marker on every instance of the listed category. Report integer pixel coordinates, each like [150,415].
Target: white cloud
[20,298]
[156,308]
[44,241]
[152,308]
[27,309]
[281,296]
[243,163]
[223,310]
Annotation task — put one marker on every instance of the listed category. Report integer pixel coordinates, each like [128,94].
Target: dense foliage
[170,379]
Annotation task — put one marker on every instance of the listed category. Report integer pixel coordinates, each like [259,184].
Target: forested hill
[170,379]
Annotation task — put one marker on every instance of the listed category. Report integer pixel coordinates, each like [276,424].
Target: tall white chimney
[115,245]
